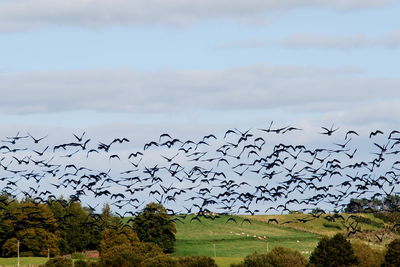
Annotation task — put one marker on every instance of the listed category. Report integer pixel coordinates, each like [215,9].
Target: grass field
[24,261]
[317,225]
[223,238]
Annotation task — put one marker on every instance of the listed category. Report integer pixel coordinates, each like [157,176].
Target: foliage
[121,247]
[153,224]
[81,263]
[197,261]
[333,252]
[161,261]
[392,257]
[59,262]
[367,256]
[77,256]
[277,257]
[119,235]
[32,224]
[129,255]
[285,257]
[38,242]
[362,205]
[79,230]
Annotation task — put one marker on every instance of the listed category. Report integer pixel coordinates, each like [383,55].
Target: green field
[318,225]
[223,238]
[24,261]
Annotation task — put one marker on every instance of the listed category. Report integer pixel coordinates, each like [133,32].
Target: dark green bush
[392,257]
[197,261]
[81,263]
[161,261]
[77,256]
[333,252]
[130,254]
[277,257]
[59,262]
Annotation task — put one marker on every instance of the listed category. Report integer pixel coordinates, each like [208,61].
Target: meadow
[225,238]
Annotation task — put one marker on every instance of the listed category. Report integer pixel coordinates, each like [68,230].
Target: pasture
[226,238]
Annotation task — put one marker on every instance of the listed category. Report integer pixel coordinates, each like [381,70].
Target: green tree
[153,224]
[79,230]
[34,226]
[392,257]
[112,237]
[333,252]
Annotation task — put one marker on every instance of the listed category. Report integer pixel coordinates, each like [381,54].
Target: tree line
[63,226]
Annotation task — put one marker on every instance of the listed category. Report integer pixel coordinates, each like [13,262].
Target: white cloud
[28,14]
[320,41]
[245,88]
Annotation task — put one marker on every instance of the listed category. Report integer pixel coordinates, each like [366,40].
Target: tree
[153,224]
[34,226]
[392,257]
[333,252]
[116,236]
[79,230]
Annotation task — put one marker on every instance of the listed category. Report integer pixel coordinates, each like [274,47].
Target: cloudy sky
[146,67]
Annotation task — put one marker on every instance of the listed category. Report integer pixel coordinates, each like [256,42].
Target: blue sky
[91,63]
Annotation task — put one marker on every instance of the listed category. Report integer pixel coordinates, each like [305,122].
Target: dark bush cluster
[277,257]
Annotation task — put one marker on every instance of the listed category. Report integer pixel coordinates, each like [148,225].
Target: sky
[206,64]
[141,68]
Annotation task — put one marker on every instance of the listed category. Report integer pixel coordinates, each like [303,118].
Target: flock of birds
[249,171]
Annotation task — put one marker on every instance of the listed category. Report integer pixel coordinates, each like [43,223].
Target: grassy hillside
[320,225]
[223,238]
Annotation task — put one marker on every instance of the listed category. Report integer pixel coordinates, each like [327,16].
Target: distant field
[318,226]
[24,261]
[223,238]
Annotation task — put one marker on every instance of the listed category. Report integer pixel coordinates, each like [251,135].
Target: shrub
[333,252]
[129,255]
[81,263]
[197,261]
[77,256]
[286,257]
[392,257]
[277,257]
[59,262]
[161,261]
[367,256]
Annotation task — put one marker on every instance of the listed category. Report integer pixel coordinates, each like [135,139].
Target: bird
[374,133]
[37,140]
[330,131]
